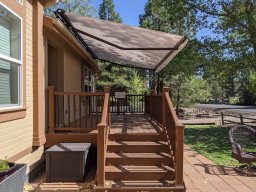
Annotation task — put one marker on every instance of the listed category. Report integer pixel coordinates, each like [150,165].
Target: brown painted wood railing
[154,107]
[160,109]
[175,133]
[74,111]
[102,139]
[132,103]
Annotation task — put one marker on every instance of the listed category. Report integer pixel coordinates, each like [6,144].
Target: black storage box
[66,162]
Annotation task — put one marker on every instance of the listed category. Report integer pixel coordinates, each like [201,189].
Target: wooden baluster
[80,112]
[69,110]
[96,110]
[85,112]
[51,109]
[63,111]
[74,109]
[57,111]
[92,109]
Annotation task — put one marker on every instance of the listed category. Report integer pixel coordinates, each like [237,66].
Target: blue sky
[128,9]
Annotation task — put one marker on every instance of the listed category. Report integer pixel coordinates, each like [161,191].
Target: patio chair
[243,140]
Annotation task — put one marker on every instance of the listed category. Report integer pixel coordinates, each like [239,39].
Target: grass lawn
[212,142]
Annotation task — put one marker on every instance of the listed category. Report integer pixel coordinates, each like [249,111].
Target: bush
[233,100]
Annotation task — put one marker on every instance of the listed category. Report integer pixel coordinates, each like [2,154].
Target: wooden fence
[236,119]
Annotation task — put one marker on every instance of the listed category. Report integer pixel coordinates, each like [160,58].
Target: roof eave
[57,26]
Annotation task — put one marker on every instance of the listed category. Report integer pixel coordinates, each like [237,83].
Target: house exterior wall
[72,71]
[17,133]
[69,64]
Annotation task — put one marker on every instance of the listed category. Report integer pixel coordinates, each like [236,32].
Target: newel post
[101,154]
[51,103]
[107,90]
[101,144]
[179,153]
[164,91]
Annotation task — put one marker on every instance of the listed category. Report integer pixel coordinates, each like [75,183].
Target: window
[20,1]
[10,58]
[88,80]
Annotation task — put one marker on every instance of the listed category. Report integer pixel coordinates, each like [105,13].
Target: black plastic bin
[66,162]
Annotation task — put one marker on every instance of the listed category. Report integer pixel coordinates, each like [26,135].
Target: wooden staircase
[139,162]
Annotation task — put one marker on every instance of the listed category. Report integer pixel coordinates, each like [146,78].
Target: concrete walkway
[202,175]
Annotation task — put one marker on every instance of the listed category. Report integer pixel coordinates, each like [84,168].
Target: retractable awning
[123,44]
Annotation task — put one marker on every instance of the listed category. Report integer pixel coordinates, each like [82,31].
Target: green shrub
[233,100]
[4,165]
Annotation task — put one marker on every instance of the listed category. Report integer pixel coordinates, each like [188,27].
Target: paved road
[250,110]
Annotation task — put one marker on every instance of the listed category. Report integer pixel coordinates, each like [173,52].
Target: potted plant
[6,168]
[12,176]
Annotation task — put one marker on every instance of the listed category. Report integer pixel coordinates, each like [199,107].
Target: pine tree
[116,77]
[107,12]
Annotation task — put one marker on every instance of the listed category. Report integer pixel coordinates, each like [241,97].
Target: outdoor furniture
[65,162]
[243,141]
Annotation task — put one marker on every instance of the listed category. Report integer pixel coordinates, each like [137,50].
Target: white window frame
[18,63]
[20,1]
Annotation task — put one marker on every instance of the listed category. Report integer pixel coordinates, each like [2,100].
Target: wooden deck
[133,123]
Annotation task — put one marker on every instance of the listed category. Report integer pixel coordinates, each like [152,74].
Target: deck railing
[102,139]
[74,111]
[160,108]
[132,103]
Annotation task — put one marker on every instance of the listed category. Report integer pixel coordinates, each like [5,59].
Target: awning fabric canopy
[123,44]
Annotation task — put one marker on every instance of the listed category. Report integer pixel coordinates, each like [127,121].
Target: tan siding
[16,136]
[72,70]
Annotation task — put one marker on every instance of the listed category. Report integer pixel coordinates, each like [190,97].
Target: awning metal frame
[60,14]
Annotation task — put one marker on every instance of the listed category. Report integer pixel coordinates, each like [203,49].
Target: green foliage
[116,77]
[252,82]
[107,12]
[212,142]
[78,7]
[4,165]
[121,79]
[187,91]
[233,100]
[137,84]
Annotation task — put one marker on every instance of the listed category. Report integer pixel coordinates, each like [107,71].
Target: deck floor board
[133,123]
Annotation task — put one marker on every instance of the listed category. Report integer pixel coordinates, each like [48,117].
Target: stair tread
[144,183]
[142,143]
[143,169]
[138,155]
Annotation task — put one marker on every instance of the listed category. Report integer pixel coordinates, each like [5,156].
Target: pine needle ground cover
[212,142]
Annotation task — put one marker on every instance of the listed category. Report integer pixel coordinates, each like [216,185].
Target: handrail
[171,108]
[102,138]
[79,93]
[175,132]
